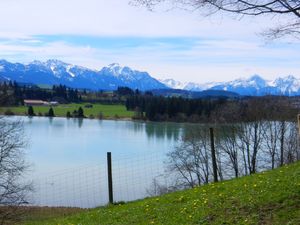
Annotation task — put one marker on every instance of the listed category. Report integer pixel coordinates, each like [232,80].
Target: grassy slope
[271,197]
[61,110]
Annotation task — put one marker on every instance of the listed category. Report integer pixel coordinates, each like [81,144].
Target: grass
[271,197]
[108,111]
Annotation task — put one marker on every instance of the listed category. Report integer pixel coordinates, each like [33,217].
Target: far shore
[52,117]
[90,111]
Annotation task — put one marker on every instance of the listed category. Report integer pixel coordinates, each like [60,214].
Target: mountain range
[252,86]
[54,72]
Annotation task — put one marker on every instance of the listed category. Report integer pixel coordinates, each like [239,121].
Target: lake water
[68,158]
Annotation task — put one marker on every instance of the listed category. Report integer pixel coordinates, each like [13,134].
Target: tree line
[158,108]
[216,109]
[13,93]
[260,134]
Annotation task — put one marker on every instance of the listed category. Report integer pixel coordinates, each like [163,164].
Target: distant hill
[195,94]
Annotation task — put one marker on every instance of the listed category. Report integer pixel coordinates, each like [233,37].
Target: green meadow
[108,111]
[271,197]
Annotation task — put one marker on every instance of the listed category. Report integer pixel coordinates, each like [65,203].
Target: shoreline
[52,117]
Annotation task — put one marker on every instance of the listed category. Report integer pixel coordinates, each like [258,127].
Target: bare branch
[13,188]
[288,10]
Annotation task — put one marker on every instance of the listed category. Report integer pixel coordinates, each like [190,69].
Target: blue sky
[168,44]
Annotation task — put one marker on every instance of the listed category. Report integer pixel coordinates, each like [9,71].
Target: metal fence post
[213,154]
[109,177]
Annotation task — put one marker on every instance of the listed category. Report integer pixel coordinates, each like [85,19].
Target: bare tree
[162,185]
[250,132]
[288,11]
[13,188]
[291,148]
[190,161]
[227,143]
[271,143]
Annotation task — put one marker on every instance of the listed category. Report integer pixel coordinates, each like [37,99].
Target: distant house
[28,102]
[53,103]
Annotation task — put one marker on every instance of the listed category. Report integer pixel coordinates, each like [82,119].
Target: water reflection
[170,131]
[51,120]
[153,130]
[80,122]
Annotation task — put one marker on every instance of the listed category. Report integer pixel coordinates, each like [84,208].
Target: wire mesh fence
[87,186]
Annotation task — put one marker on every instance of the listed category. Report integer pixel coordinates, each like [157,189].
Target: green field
[271,197]
[108,111]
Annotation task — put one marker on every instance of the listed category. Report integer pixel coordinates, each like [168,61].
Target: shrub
[8,112]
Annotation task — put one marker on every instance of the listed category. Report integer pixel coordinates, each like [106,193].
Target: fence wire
[87,186]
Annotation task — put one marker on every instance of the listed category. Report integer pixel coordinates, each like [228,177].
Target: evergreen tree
[51,112]
[30,111]
[75,113]
[80,112]
[68,115]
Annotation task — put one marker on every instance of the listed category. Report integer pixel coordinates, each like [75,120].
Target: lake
[68,158]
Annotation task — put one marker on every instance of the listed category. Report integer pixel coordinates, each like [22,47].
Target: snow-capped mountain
[171,83]
[56,72]
[288,85]
[253,86]
[131,78]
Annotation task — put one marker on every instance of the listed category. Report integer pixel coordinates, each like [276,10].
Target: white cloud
[112,18]
[226,48]
[206,60]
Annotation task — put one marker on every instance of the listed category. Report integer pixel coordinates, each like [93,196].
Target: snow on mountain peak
[68,70]
[36,62]
[115,69]
[114,65]
[124,73]
[171,83]
[256,77]
[56,62]
[290,78]
[253,85]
